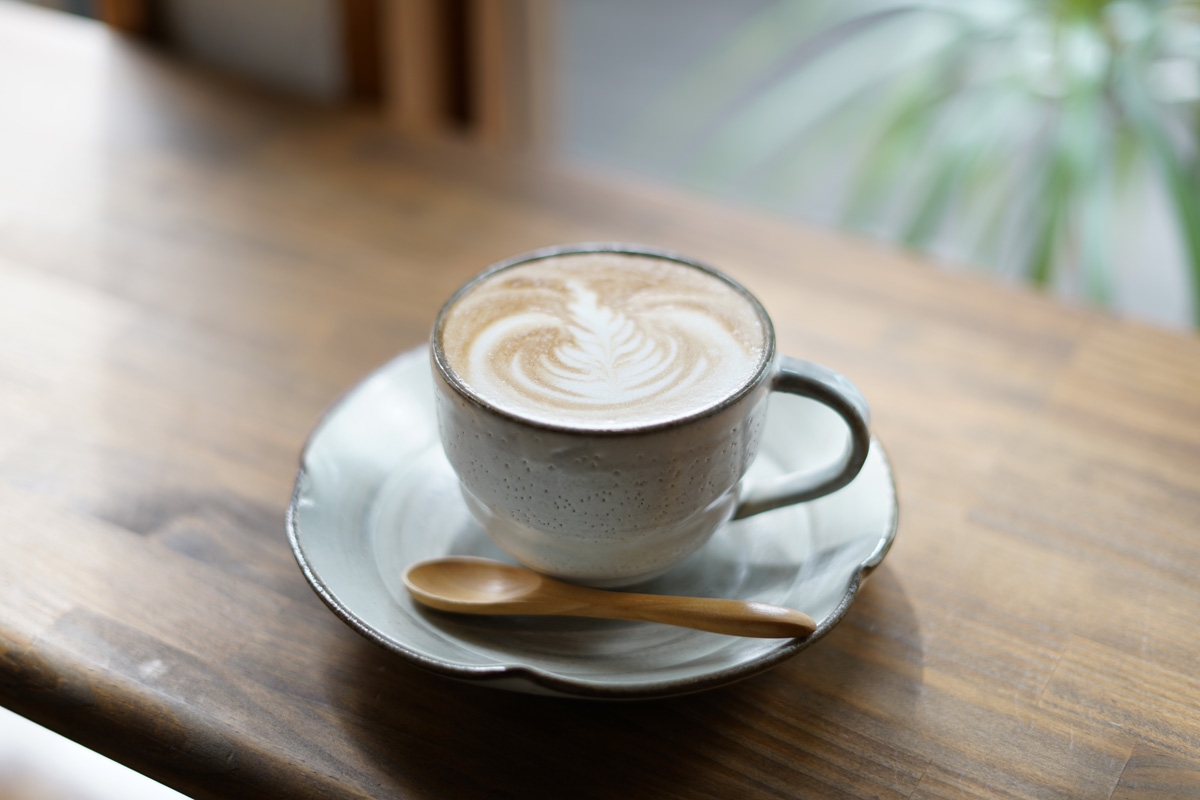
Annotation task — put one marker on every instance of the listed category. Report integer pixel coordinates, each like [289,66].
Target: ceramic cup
[613,508]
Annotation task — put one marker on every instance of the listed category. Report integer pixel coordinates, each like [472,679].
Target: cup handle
[826,386]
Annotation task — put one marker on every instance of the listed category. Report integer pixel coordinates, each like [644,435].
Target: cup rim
[446,373]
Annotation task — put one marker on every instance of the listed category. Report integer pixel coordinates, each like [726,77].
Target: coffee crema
[603,340]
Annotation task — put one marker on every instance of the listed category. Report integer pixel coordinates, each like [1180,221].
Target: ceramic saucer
[375,494]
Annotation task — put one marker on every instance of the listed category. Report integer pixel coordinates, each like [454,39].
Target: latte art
[603,340]
[606,358]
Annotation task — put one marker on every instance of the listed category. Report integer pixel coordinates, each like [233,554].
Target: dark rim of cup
[447,373]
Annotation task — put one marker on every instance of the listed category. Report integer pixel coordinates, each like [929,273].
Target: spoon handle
[733,617]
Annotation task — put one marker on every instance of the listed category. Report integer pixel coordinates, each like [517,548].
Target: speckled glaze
[376,494]
[602,510]
[617,507]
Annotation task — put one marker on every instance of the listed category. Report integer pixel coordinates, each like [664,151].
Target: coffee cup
[601,403]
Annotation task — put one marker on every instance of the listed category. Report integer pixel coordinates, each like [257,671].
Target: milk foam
[603,340]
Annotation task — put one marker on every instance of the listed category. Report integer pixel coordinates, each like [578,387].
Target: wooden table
[191,272]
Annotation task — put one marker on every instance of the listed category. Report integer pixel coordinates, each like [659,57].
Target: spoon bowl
[480,586]
[464,583]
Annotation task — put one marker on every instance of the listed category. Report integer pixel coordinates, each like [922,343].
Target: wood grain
[191,271]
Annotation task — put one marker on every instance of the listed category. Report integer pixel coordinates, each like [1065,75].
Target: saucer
[375,494]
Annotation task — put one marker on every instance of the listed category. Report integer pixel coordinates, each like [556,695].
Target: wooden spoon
[479,586]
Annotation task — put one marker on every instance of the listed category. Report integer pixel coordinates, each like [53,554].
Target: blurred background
[1051,143]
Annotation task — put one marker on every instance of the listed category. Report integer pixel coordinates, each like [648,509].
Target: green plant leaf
[1006,130]
[1048,210]
[784,111]
[892,148]
[1182,188]
[761,51]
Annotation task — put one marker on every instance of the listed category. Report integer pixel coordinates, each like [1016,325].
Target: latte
[601,340]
